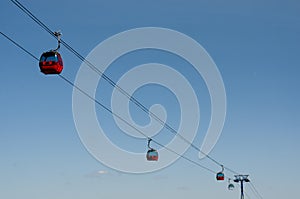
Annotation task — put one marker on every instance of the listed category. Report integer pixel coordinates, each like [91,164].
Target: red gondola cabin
[51,63]
[220,176]
[152,155]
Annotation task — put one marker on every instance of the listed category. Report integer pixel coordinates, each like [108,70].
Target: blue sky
[255,45]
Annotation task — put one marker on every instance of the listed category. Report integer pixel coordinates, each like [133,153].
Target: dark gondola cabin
[51,63]
[230,186]
[220,176]
[152,155]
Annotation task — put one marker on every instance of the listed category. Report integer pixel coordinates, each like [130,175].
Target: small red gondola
[51,63]
[152,154]
[220,176]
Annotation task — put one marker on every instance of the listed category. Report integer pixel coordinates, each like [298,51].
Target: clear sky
[255,45]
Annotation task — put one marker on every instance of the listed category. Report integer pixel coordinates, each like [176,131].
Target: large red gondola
[51,63]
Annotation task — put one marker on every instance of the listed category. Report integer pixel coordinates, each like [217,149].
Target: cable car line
[182,156]
[120,89]
[126,122]
[110,81]
[111,112]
